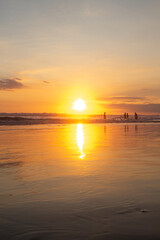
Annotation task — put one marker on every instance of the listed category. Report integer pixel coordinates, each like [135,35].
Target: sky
[106,52]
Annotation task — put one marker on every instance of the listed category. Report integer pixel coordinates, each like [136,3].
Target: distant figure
[104,115]
[136,116]
[125,115]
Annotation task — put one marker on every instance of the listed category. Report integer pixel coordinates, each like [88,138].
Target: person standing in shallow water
[136,116]
[125,115]
[104,115]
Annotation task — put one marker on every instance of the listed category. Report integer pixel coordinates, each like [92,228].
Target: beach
[80,181]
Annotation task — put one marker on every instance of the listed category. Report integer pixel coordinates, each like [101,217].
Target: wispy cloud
[131,104]
[47,82]
[11,84]
[142,108]
[123,99]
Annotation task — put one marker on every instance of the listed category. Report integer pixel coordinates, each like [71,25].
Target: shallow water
[84,181]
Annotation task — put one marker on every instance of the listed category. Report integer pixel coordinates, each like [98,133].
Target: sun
[79,105]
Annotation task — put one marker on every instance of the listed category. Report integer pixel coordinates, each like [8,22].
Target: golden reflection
[80,140]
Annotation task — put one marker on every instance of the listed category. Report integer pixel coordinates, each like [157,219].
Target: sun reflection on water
[80,140]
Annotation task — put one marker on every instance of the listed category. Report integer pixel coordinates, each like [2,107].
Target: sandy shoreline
[80,181]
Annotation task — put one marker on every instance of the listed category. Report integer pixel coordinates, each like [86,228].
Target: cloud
[47,82]
[18,79]
[142,108]
[124,99]
[11,84]
[10,164]
[131,104]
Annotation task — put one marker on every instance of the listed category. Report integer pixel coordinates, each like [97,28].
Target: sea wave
[31,120]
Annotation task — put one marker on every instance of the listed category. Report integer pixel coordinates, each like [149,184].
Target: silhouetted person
[104,115]
[136,116]
[125,115]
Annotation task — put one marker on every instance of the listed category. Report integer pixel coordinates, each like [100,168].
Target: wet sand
[80,181]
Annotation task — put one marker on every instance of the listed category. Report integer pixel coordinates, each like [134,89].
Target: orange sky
[105,52]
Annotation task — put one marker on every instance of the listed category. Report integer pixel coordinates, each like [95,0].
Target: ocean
[53,118]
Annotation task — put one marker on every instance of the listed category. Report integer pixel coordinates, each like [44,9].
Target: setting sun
[79,105]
